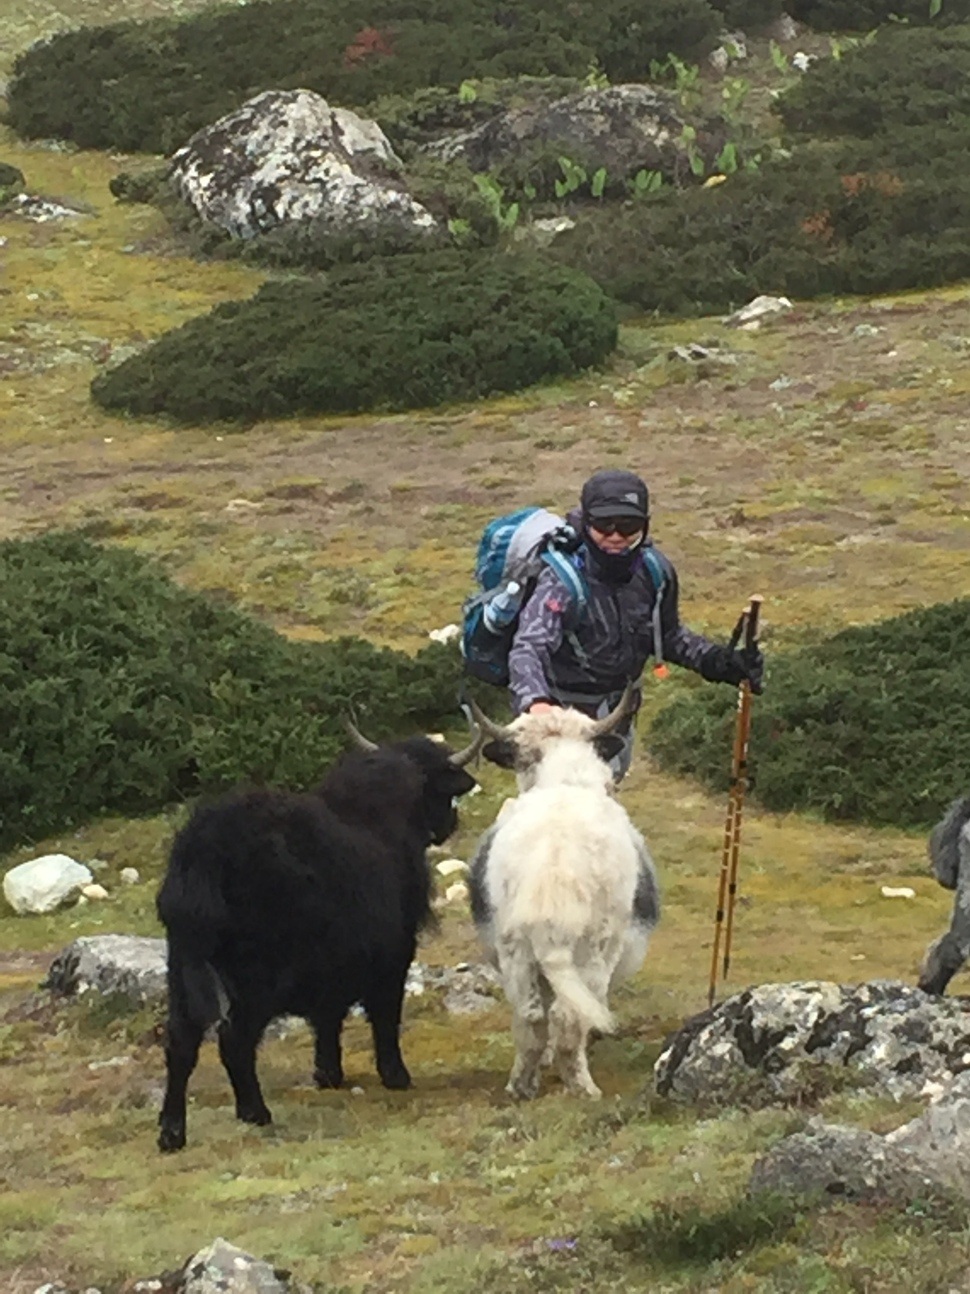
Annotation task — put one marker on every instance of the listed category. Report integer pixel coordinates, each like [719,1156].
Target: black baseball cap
[615,493]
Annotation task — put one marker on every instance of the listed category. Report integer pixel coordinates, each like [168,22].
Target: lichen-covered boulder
[830,1159]
[222,1268]
[769,1042]
[847,1163]
[287,158]
[133,966]
[624,129]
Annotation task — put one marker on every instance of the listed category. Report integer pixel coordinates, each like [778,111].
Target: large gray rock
[221,1268]
[131,965]
[287,158]
[770,1042]
[43,884]
[624,128]
[847,1163]
[940,1138]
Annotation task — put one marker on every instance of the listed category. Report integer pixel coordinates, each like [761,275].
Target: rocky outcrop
[287,158]
[624,128]
[771,1042]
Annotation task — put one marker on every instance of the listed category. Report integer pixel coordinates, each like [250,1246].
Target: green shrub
[863,15]
[903,79]
[147,86]
[121,692]
[139,186]
[852,217]
[872,724]
[401,333]
[750,14]
[11,182]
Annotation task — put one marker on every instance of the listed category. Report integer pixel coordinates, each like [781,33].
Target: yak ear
[500,752]
[608,747]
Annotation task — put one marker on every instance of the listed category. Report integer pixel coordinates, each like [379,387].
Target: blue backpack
[515,549]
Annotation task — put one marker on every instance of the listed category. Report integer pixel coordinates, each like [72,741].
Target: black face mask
[611,568]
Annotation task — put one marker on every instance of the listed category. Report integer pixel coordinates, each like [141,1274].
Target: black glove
[723,665]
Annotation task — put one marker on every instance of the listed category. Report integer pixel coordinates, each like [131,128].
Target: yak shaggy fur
[281,903]
[564,894]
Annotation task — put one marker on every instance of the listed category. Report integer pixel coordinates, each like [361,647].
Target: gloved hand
[724,665]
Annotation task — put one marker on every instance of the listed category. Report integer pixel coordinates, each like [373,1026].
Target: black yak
[282,903]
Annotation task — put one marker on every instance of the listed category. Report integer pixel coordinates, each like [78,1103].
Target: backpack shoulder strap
[569,575]
[656,568]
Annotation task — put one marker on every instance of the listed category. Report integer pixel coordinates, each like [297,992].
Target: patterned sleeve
[682,646]
[537,638]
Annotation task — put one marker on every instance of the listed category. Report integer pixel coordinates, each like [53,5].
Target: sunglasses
[625,526]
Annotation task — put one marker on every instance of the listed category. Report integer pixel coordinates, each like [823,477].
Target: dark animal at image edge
[282,903]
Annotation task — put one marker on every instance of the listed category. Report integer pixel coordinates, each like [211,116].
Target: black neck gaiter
[611,568]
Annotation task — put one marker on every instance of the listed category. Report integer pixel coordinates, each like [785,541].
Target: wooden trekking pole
[746,628]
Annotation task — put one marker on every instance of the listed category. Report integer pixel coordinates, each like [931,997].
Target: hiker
[560,658]
[949,851]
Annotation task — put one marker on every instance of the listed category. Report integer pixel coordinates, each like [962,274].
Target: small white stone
[897,892]
[130,875]
[356,1091]
[94,891]
[446,634]
[449,866]
[456,892]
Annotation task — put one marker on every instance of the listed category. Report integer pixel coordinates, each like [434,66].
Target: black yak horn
[487,725]
[626,706]
[462,757]
[358,738]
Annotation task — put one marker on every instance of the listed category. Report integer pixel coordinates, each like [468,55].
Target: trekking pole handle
[750,617]
[739,629]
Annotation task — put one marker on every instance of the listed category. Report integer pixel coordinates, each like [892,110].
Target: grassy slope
[841,495]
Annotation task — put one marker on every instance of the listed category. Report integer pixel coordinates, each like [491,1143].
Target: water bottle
[501,610]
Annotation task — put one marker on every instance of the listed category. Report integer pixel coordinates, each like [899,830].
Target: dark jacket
[582,660]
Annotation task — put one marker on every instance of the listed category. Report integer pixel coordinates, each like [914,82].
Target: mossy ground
[826,469]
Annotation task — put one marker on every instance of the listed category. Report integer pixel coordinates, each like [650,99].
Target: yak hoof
[396,1079]
[522,1089]
[170,1139]
[328,1078]
[260,1116]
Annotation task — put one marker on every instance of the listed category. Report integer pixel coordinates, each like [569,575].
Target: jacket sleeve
[682,646]
[537,638]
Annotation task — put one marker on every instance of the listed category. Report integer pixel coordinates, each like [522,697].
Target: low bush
[396,334]
[121,692]
[147,86]
[863,15]
[848,217]
[872,724]
[11,182]
[903,79]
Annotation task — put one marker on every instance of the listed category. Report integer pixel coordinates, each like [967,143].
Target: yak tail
[572,995]
[950,843]
[193,910]
[195,989]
